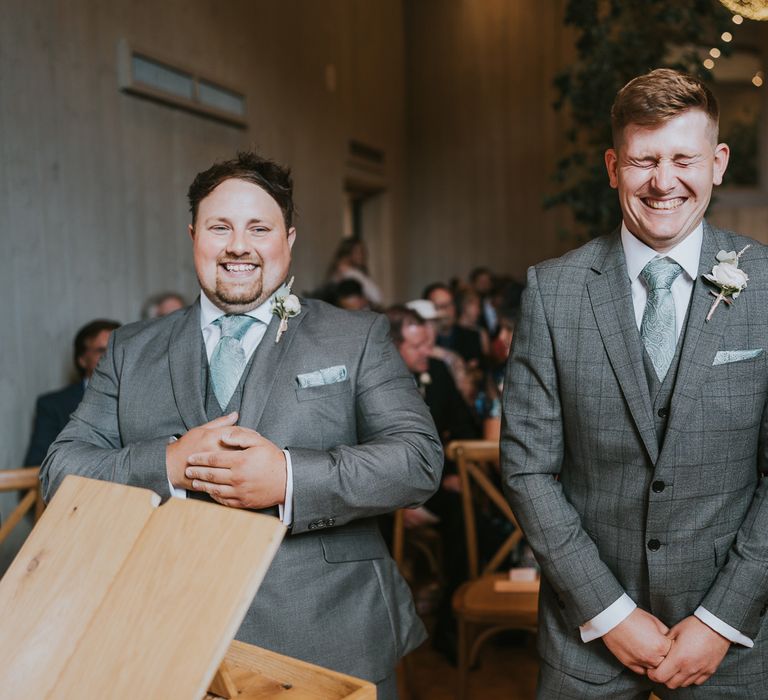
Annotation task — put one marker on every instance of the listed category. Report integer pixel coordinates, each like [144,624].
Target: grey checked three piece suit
[361,442]
[626,485]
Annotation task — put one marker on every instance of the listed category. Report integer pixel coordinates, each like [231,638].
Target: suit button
[654,544]
[658,486]
[663,412]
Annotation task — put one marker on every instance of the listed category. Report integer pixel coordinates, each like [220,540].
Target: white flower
[292,305]
[728,276]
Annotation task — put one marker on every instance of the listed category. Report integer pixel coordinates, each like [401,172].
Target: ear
[191,231]
[611,165]
[291,236]
[722,155]
[81,362]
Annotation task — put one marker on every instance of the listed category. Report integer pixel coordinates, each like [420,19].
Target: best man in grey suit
[635,429]
[315,419]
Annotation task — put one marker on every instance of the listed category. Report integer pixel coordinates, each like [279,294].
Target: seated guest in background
[162,304]
[348,294]
[53,410]
[481,280]
[464,341]
[468,310]
[350,262]
[290,407]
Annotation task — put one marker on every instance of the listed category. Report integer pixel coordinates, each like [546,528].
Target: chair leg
[464,652]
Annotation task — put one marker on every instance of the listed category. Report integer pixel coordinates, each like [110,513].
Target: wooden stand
[114,597]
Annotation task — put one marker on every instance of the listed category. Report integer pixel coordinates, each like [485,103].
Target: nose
[237,242]
[663,176]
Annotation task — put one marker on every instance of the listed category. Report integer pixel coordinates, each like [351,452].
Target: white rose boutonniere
[285,305]
[727,277]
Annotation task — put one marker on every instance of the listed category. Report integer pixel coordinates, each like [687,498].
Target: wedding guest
[162,304]
[53,410]
[350,262]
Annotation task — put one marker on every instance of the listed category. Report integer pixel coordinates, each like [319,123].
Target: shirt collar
[209,312]
[686,253]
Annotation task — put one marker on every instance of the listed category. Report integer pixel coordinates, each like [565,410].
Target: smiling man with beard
[634,431]
[316,421]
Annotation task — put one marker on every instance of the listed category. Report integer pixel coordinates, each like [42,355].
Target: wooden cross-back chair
[480,610]
[24,480]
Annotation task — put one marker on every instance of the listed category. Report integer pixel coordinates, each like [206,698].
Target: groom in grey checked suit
[320,424]
[634,434]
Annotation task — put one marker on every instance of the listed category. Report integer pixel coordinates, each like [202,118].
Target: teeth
[664,203]
[239,267]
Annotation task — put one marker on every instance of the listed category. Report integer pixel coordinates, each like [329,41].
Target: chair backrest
[24,479]
[477,461]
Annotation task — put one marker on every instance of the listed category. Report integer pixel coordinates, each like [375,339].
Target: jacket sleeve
[90,445]
[397,461]
[532,449]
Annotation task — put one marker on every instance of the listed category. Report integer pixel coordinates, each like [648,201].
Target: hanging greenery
[616,41]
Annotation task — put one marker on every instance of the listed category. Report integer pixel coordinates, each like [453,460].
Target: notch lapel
[185,360]
[265,367]
[611,298]
[702,338]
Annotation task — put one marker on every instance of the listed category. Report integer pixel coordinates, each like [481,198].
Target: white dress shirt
[209,313]
[638,255]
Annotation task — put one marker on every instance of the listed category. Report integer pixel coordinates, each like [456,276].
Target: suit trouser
[387,689]
[556,685]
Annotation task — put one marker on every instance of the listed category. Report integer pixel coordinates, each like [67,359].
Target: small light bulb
[737,19]
[726,36]
[757,81]
[709,64]
[715,53]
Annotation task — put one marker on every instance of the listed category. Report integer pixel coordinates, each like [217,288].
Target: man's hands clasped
[235,466]
[687,654]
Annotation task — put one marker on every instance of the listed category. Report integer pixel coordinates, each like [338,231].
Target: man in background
[53,410]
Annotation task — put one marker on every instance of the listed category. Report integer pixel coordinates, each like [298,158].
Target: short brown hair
[652,99]
[274,179]
[401,317]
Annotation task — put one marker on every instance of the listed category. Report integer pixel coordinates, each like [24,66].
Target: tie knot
[234,325]
[660,273]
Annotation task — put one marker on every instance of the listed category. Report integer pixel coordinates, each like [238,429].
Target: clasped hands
[235,466]
[687,654]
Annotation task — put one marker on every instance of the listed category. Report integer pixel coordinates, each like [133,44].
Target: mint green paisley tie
[658,329]
[228,359]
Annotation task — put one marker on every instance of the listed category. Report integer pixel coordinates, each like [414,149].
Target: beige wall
[483,139]
[93,180]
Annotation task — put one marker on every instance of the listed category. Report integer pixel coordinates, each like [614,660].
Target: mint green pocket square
[723,357]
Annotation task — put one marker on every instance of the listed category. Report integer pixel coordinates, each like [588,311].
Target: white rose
[728,276]
[292,305]
[725,256]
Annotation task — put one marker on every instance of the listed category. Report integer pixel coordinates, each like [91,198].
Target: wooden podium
[114,597]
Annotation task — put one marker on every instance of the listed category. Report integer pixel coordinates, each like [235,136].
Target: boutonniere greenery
[727,277]
[285,305]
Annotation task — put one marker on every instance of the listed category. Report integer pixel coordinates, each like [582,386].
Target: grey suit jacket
[359,447]
[577,407]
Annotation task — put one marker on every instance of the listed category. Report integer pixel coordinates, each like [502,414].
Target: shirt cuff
[723,628]
[605,621]
[175,492]
[285,509]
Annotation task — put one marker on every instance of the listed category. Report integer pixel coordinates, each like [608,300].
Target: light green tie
[228,359]
[659,327]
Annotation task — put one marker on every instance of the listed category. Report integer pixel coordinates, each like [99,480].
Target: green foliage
[616,41]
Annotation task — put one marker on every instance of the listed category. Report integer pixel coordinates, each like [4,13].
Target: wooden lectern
[114,597]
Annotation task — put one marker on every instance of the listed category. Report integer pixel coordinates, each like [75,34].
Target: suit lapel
[611,298]
[264,368]
[702,338]
[185,359]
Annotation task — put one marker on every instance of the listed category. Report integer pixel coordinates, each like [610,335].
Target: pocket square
[723,357]
[321,377]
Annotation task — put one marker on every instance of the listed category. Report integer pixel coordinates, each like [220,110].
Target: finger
[664,671]
[215,491]
[242,437]
[210,474]
[223,421]
[218,458]
[639,670]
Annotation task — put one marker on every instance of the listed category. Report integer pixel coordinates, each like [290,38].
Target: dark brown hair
[399,317]
[86,333]
[274,179]
[656,97]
